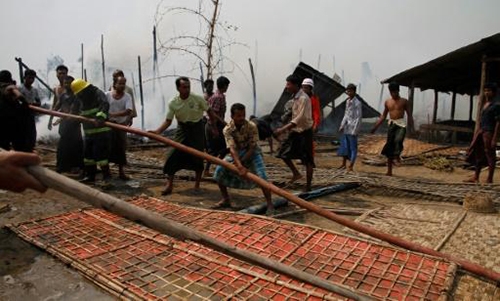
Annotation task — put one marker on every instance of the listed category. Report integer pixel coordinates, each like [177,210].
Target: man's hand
[13,175]
[242,170]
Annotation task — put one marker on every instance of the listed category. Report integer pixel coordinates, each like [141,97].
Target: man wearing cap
[396,107]
[299,144]
[307,87]
[94,104]
[349,127]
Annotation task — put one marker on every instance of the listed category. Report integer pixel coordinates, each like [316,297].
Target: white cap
[308,81]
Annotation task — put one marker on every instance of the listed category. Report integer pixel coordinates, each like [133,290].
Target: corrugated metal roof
[458,71]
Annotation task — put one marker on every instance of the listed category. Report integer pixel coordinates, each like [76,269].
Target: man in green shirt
[188,109]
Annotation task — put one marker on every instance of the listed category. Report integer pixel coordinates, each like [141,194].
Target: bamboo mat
[135,262]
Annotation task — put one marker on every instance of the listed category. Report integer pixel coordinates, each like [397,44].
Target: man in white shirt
[349,127]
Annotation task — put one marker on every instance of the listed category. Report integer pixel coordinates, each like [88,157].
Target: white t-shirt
[118,105]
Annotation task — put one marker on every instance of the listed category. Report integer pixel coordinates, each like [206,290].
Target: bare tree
[208,44]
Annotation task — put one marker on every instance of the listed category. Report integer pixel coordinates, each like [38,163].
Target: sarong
[476,154]
[298,146]
[394,144]
[190,134]
[70,146]
[233,180]
[118,147]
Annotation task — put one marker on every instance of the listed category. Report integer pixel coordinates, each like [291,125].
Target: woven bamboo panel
[134,262]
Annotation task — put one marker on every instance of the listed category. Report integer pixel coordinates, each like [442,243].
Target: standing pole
[453,105]
[155,59]
[202,80]
[471,105]
[20,62]
[141,93]
[103,64]
[254,89]
[480,100]
[83,69]
[434,112]
[21,75]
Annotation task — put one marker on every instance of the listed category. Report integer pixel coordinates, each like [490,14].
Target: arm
[163,127]
[381,119]
[125,112]
[13,175]
[55,103]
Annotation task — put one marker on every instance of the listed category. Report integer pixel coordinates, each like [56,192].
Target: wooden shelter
[463,71]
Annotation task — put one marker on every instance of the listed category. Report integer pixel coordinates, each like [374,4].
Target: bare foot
[167,191]
[341,167]
[389,174]
[349,169]
[296,177]
[470,180]
[222,204]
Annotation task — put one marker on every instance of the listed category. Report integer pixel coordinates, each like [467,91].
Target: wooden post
[254,89]
[21,74]
[141,94]
[434,112]
[411,96]
[481,88]
[103,64]
[471,105]
[453,105]
[83,69]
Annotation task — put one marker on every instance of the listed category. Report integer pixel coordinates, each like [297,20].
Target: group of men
[202,125]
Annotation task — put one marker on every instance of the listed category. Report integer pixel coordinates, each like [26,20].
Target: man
[32,96]
[265,131]
[188,109]
[120,112]
[13,173]
[70,146]
[396,107]
[213,129]
[349,127]
[94,104]
[119,73]
[482,151]
[241,138]
[307,87]
[299,144]
[61,73]
[209,89]
[14,112]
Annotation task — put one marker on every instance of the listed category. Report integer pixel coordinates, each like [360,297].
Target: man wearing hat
[349,127]
[94,104]
[307,87]
[396,106]
[299,144]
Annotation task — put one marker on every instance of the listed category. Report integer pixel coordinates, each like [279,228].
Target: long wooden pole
[453,105]
[434,111]
[467,265]
[103,64]
[20,61]
[169,227]
[141,92]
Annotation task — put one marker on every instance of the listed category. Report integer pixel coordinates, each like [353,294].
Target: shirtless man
[61,73]
[396,107]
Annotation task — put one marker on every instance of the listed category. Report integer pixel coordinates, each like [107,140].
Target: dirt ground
[27,273]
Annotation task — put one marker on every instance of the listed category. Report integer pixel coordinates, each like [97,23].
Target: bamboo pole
[434,111]
[83,72]
[103,64]
[141,93]
[19,60]
[467,265]
[171,228]
[453,105]
[254,89]
[21,74]
[471,105]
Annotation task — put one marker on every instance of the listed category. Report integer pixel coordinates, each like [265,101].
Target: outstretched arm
[381,119]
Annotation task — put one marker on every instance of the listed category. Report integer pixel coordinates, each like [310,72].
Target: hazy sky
[391,35]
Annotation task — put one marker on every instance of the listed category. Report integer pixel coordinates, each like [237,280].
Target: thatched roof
[458,71]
